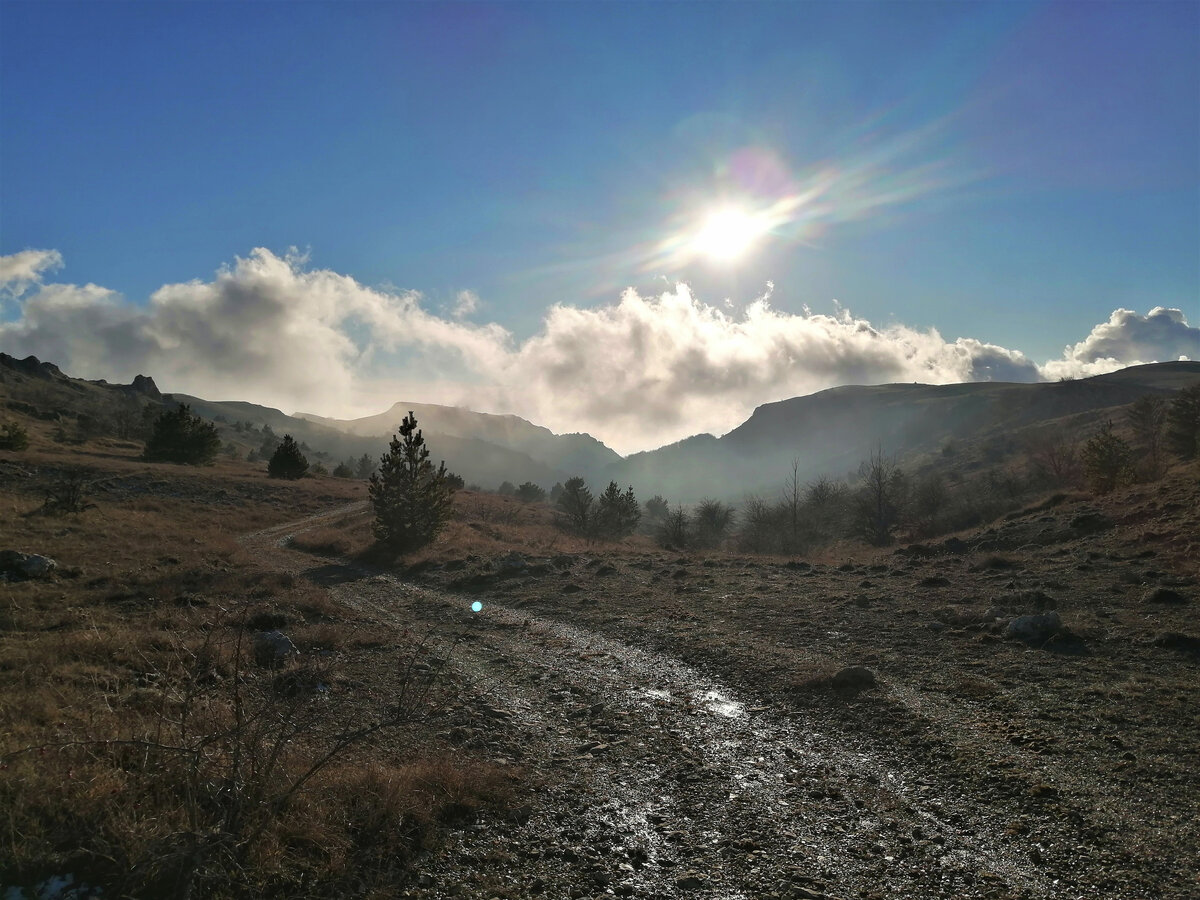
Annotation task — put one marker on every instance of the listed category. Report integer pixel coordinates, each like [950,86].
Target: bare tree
[879,500]
[793,505]
[1054,455]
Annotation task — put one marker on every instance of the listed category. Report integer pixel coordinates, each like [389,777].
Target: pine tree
[287,461]
[411,498]
[1147,417]
[531,493]
[1183,423]
[180,437]
[1107,460]
[364,467]
[617,514]
[574,507]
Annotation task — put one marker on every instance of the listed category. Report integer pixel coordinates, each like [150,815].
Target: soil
[718,726]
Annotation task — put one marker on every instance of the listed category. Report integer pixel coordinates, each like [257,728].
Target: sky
[640,220]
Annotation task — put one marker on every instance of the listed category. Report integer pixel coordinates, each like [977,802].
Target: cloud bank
[637,373]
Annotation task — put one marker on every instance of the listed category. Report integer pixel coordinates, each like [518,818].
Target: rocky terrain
[1009,713]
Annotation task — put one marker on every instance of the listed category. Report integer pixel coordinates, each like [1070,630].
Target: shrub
[676,529]
[1107,461]
[617,514]
[507,489]
[287,461]
[184,438]
[530,493]
[13,437]
[455,481]
[712,521]
[411,498]
[343,470]
[656,508]
[1054,456]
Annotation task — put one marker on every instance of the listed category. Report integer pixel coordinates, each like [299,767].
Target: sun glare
[728,234]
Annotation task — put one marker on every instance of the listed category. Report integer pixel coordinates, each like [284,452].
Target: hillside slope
[832,431]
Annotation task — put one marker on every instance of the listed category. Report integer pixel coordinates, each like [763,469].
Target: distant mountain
[832,431]
[828,433]
[477,461]
[565,453]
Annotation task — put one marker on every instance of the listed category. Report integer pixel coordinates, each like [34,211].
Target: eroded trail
[655,779]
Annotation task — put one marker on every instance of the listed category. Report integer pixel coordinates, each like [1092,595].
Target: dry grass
[138,746]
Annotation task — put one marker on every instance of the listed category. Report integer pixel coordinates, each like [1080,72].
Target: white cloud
[466,304]
[19,271]
[1128,339]
[637,373]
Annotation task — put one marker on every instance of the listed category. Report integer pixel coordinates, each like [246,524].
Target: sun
[728,234]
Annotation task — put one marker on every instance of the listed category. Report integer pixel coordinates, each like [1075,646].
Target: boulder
[1034,629]
[1164,595]
[853,678]
[17,566]
[273,648]
[512,565]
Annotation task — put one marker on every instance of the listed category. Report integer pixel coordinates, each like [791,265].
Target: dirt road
[654,778]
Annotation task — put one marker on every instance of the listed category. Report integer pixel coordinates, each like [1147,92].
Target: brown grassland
[141,747]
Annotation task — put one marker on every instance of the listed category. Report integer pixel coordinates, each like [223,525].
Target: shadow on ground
[333,574]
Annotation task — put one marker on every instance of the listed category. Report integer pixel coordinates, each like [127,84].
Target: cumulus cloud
[19,271]
[265,329]
[1128,339]
[660,368]
[636,373]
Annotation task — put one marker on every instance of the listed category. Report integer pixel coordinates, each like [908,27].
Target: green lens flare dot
[476,606]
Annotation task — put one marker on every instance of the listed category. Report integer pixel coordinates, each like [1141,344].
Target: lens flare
[476,606]
[728,234]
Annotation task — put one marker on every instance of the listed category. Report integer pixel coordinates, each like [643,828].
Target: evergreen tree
[411,498]
[287,461]
[1107,460]
[1183,423]
[1146,417]
[574,507]
[180,437]
[531,493]
[617,514]
[364,467]
[344,469]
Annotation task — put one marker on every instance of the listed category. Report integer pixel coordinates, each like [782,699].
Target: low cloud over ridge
[638,373]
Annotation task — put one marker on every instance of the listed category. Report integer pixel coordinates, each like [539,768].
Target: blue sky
[1011,173]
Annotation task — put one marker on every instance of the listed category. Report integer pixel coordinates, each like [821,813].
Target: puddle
[719,703]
